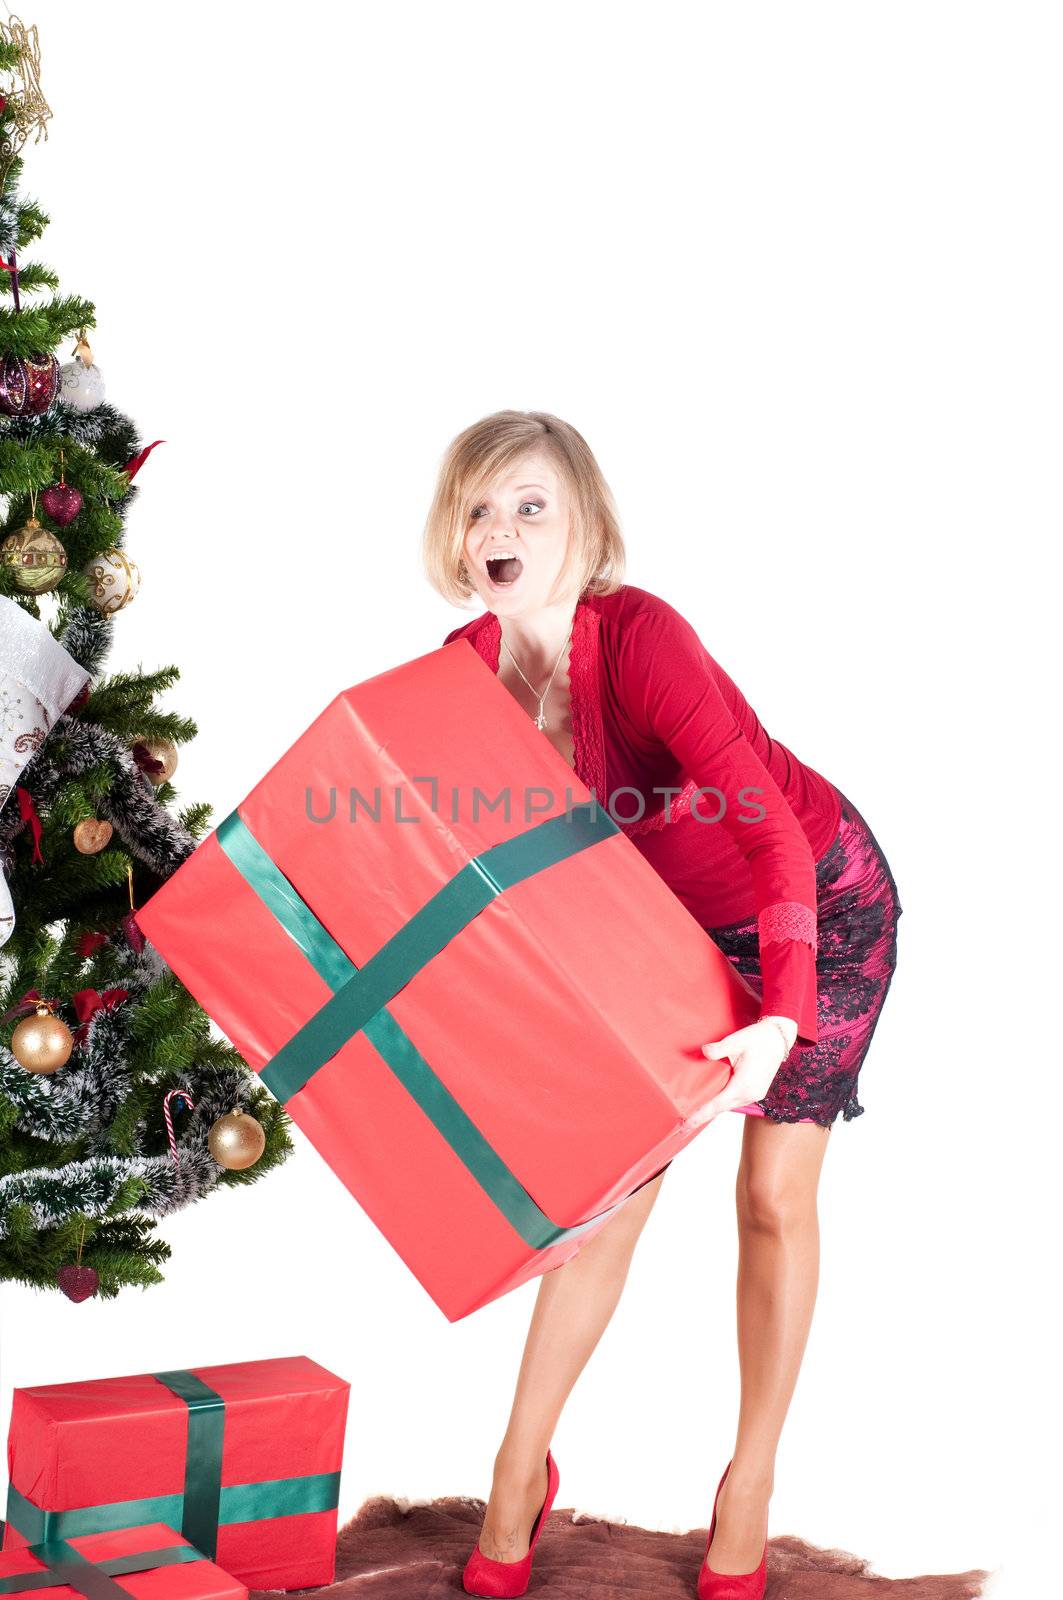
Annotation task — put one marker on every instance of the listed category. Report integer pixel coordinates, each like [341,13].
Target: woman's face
[517,538]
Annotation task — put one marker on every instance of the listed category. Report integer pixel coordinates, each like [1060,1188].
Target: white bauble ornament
[82,386]
[115,580]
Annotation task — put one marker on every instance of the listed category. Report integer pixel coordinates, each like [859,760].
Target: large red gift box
[150,1562]
[243,1458]
[476,998]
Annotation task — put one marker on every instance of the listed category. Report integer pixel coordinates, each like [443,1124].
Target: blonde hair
[486,449]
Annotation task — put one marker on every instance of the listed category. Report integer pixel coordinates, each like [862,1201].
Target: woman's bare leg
[778,1276]
[572,1309]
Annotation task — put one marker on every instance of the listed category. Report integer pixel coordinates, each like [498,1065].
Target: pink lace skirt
[858,908]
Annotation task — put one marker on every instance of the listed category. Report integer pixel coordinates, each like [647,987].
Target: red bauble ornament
[28,384]
[62,502]
[78,1283]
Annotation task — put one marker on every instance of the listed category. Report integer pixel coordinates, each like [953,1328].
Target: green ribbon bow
[203,1505]
[360,997]
[93,1579]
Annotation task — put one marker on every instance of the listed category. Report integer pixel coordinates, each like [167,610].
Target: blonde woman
[771,858]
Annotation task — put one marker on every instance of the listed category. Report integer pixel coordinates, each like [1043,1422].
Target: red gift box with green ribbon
[473,994]
[242,1459]
[147,1563]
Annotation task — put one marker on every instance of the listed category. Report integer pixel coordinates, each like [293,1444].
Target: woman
[798,895]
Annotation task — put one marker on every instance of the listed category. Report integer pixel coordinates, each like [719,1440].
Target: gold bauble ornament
[36,556]
[236,1140]
[91,835]
[42,1042]
[115,580]
[160,749]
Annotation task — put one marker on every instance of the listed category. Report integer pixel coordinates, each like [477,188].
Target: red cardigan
[655,718]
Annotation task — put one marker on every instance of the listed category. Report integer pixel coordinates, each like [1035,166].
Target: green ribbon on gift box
[203,1506]
[360,996]
[93,1579]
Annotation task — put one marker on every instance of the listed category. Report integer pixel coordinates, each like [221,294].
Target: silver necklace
[540,715]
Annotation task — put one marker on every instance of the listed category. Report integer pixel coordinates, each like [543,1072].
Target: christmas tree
[117,1105]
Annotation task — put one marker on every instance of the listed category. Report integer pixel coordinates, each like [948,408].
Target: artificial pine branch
[41,327]
[32,277]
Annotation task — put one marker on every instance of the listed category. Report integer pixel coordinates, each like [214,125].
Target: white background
[794,273]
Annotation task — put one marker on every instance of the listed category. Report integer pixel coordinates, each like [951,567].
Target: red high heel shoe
[730,1585]
[486,1577]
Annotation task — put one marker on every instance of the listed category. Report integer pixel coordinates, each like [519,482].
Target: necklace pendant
[540,721]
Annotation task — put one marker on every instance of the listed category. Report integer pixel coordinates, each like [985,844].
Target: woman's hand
[756,1053]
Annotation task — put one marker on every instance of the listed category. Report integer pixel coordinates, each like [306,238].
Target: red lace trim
[679,806]
[488,640]
[788,919]
[588,744]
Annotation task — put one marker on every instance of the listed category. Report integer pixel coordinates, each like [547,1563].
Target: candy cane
[174,1094]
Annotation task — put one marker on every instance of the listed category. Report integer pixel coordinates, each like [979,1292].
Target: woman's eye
[526,505]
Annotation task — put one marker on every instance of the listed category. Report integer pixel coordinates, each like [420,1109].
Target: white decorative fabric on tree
[7,912]
[38,680]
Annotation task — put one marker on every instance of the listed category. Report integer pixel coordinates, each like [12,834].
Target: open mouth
[504,570]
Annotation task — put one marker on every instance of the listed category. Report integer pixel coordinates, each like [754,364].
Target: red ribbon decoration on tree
[29,814]
[29,1002]
[87,1002]
[89,943]
[134,466]
[144,758]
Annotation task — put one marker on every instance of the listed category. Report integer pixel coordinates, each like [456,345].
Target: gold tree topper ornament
[27,109]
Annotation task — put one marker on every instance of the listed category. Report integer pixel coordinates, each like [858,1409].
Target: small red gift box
[474,995]
[244,1459]
[150,1562]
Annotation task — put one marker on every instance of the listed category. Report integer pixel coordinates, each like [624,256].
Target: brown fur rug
[390,1551]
